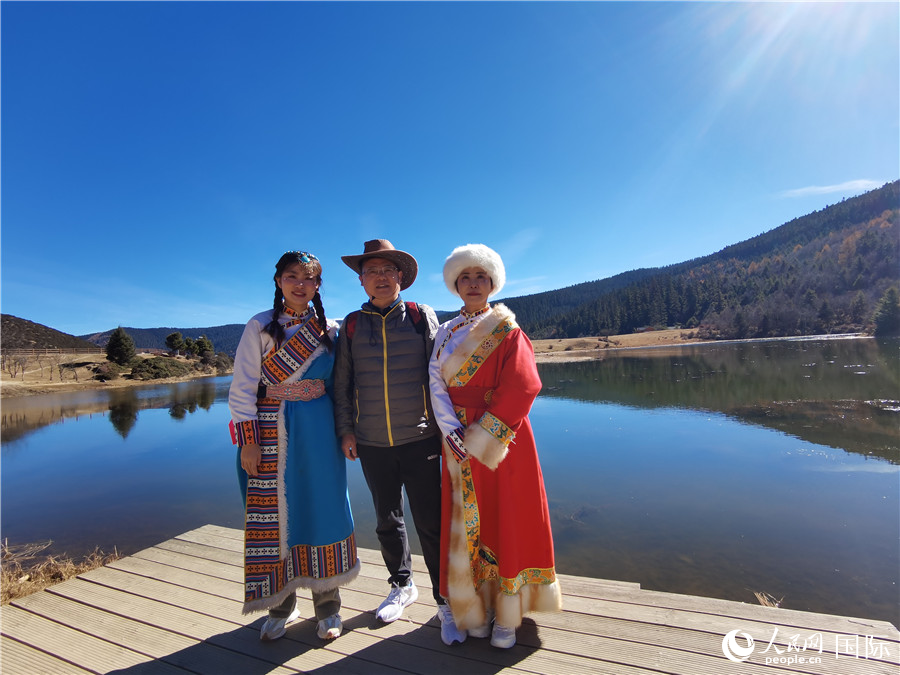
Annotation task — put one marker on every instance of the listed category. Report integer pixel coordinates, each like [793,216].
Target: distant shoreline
[588,349]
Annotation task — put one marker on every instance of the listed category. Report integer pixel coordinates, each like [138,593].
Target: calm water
[716,470]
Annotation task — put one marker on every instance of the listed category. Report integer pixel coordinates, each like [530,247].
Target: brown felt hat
[382,248]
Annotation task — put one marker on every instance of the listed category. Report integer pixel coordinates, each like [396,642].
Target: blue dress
[312,543]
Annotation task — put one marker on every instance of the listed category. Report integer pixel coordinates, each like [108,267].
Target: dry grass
[767,600]
[25,570]
[573,349]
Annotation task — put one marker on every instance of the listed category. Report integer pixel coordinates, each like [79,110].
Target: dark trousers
[417,467]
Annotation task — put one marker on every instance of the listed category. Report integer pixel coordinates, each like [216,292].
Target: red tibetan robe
[496,543]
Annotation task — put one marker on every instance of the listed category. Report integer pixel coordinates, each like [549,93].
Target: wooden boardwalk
[174,608]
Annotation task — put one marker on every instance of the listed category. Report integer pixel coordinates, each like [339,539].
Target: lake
[714,470]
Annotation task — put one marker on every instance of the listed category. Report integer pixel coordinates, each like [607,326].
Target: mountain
[820,273]
[17,333]
[224,338]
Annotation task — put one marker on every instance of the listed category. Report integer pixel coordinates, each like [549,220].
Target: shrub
[107,371]
[160,367]
[224,363]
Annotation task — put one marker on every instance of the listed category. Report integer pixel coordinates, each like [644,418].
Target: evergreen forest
[821,273]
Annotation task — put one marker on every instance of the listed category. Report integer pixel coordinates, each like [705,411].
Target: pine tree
[175,342]
[887,313]
[120,348]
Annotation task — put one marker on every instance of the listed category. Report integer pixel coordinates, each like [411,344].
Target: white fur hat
[474,255]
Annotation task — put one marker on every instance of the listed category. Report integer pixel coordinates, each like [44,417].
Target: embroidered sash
[268,565]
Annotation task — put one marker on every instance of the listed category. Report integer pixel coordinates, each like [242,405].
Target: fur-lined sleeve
[491,437]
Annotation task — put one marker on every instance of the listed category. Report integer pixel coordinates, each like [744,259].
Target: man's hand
[348,446]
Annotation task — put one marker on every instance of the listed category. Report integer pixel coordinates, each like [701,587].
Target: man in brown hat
[383,416]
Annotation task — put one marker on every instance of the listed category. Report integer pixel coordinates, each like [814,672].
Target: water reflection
[23,415]
[123,414]
[840,393]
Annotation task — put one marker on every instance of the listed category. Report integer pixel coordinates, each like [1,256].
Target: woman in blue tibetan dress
[298,526]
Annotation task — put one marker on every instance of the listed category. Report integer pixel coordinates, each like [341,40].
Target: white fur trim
[315,585]
[530,598]
[466,604]
[474,255]
[484,447]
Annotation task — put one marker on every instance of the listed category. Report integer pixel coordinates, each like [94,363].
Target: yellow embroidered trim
[496,428]
[478,357]
[470,505]
[531,575]
[486,568]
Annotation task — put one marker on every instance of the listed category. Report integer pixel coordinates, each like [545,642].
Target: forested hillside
[23,334]
[224,338]
[820,273]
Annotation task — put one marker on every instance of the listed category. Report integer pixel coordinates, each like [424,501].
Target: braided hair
[310,265]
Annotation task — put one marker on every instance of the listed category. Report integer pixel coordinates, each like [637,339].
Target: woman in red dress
[496,543]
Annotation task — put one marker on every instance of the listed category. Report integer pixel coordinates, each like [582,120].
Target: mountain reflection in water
[839,393]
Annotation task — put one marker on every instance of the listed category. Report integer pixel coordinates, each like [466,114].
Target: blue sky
[158,157]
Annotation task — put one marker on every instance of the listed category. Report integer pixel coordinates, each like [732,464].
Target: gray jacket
[381,389]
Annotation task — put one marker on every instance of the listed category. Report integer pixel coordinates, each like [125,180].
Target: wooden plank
[180,577]
[204,552]
[158,643]
[16,657]
[192,563]
[196,625]
[226,634]
[84,650]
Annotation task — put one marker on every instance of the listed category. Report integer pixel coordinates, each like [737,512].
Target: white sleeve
[440,397]
[247,368]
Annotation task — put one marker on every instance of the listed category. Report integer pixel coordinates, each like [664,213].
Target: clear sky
[158,157]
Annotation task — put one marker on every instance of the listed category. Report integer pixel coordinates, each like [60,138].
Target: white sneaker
[397,600]
[449,631]
[330,627]
[503,637]
[273,629]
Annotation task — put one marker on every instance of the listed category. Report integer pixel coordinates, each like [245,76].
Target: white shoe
[503,637]
[449,631]
[330,627]
[397,600]
[273,629]
[483,630]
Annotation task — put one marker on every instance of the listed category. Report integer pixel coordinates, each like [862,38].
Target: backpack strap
[349,327]
[418,320]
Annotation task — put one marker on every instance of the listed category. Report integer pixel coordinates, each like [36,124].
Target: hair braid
[323,322]
[274,328]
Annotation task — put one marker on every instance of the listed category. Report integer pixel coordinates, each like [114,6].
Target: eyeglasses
[305,257]
[387,271]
